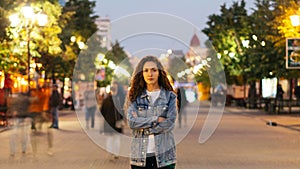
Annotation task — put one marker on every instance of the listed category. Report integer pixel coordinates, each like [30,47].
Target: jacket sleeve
[136,122]
[103,108]
[55,99]
[169,123]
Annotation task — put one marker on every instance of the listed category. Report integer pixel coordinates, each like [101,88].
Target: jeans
[113,143]
[151,164]
[54,113]
[90,114]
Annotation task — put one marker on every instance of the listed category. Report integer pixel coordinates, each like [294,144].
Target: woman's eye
[152,70]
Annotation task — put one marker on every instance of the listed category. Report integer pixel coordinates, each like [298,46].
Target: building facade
[196,53]
[104,30]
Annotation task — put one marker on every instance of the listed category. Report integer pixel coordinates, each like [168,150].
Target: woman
[151,114]
[112,111]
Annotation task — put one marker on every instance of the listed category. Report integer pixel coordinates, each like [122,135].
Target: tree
[86,61]
[14,39]
[5,6]
[262,60]
[265,31]
[281,22]
[116,56]
[176,66]
[227,32]
[212,72]
[78,24]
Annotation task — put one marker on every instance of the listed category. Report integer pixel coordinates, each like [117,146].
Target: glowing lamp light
[295,19]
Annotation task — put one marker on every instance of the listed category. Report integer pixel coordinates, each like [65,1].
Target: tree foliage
[85,63]
[227,32]
[50,44]
[41,39]
[119,58]
[252,46]
[282,23]
[77,21]
[261,56]
[176,66]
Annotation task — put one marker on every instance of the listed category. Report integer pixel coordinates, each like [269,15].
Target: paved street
[241,141]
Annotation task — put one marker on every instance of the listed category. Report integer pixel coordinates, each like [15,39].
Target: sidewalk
[242,140]
[72,149]
[285,120]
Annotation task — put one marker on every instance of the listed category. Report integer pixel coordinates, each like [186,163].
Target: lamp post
[29,20]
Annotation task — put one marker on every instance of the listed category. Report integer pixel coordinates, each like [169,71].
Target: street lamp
[29,20]
[295,19]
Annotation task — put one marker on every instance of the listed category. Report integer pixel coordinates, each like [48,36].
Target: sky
[145,26]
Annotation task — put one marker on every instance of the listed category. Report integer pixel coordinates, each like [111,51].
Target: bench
[277,106]
[258,103]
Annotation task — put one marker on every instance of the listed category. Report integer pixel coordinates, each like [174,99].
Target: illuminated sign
[293,53]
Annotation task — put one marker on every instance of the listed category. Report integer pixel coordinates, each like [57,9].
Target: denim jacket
[142,119]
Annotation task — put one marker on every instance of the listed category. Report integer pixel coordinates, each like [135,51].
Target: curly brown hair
[138,84]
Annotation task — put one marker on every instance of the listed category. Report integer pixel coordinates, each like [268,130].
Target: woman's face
[150,73]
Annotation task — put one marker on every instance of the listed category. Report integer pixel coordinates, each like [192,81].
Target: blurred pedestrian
[47,117]
[40,112]
[8,84]
[182,102]
[54,104]
[37,106]
[112,111]
[219,95]
[20,122]
[297,92]
[279,96]
[90,105]
[151,113]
